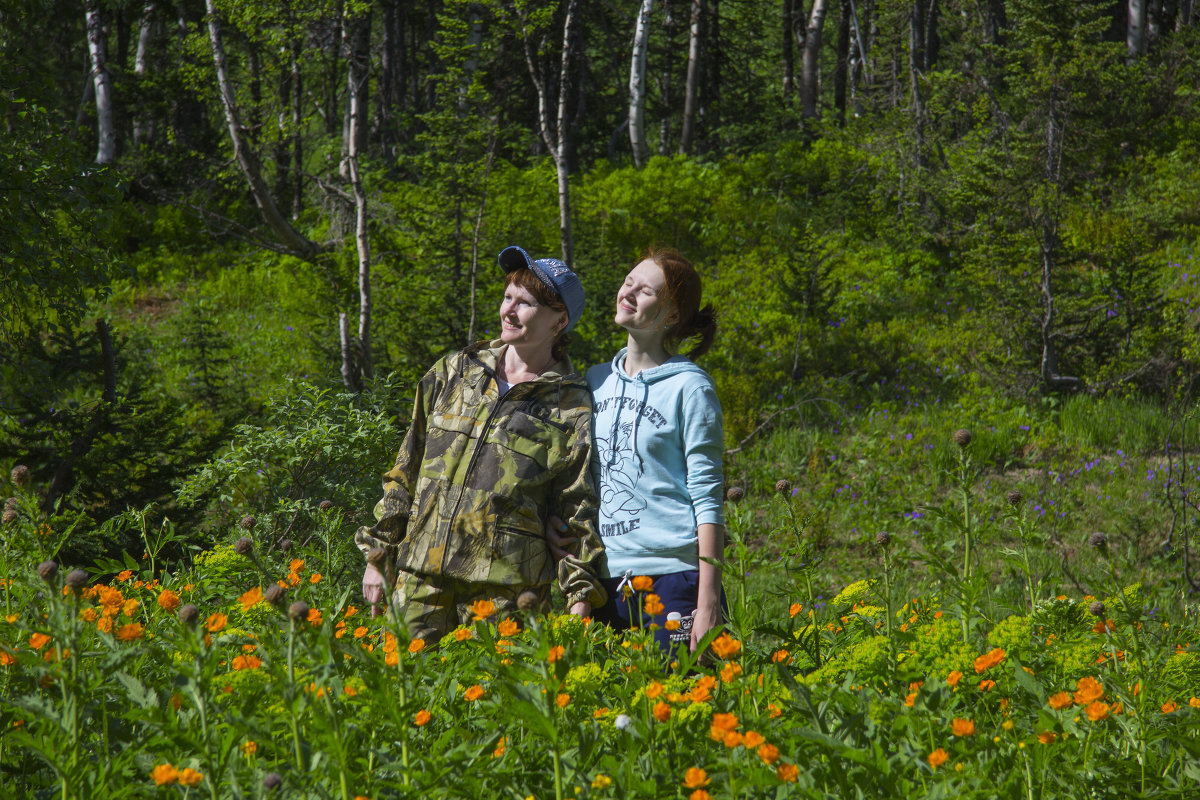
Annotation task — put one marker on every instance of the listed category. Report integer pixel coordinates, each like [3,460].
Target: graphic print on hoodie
[657,463]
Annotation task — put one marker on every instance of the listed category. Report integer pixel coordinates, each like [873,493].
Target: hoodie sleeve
[703,447]
[399,483]
[579,572]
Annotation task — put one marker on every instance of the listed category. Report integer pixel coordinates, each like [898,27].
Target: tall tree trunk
[637,85]
[1052,380]
[356,44]
[148,33]
[789,51]
[810,75]
[664,83]
[391,75]
[1135,31]
[916,51]
[106,132]
[358,63]
[297,125]
[932,42]
[691,90]
[842,68]
[291,239]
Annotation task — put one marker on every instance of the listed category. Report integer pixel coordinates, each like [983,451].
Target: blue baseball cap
[552,272]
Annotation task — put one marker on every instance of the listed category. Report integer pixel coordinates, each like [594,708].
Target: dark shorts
[678,593]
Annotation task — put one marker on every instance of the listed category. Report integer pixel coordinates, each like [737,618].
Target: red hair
[684,292]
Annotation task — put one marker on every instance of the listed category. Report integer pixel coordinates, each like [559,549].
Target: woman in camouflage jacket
[501,437]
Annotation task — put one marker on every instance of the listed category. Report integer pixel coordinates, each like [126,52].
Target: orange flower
[1194,702]
[989,660]
[787,772]
[124,575]
[314,617]
[794,609]
[416,645]
[695,778]
[164,775]
[699,694]
[730,671]
[190,777]
[482,609]
[461,634]
[129,632]
[251,598]
[508,627]
[422,718]
[349,691]
[240,663]
[350,612]
[6,659]
[168,601]
[774,710]
[953,678]
[1047,737]
[104,625]
[556,652]
[986,685]
[88,615]
[643,583]
[671,625]
[1097,711]
[910,699]
[1170,706]
[1088,690]
[769,753]
[473,693]
[699,794]
[216,622]
[732,739]
[653,605]
[38,640]
[500,747]
[781,657]
[1060,701]
[938,757]
[361,631]
[725,722]
[962,727]
[726,647]
[315,578]
[563,700]
[129,607]
[249,747]
[753,739]
[296,565]
[662,711]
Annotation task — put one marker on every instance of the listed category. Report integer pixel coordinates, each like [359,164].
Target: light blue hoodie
[657,463]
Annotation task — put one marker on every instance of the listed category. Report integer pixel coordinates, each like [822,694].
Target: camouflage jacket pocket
[519,558]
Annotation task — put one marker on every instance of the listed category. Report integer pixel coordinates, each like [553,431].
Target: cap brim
[513,258]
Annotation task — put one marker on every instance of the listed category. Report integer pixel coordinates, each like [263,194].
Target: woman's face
[642,304]
[527,324]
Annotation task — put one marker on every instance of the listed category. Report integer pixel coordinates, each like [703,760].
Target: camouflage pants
[432,607]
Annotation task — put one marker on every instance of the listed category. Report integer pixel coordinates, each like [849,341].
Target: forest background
[215,215]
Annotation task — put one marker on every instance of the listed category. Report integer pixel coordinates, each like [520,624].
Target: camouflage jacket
[478,474]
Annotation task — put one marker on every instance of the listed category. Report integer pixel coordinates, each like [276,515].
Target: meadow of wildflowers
[961,660]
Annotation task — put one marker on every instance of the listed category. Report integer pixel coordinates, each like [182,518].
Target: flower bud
[962,437]
[298,611]
[243,546]
[285,545]
[188,614]
[272,781]
[326,505]
[1014,498]
[1098,540]
[276,595]
[20,475]
[883,539]
[10,504]
[247,522]
[1096,609]
[783,486]
[735,494]
[48,570]
[9,517]
[528,600]
[76,579]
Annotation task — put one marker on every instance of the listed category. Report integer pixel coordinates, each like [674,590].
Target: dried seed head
[48,571]
[247,522]
[276,595]
[883,539]
[298,611]
[244,546]
[528,600]
[76,579]
[783,486]
[188,614]
[273,781]
[285,545]
[377,557]
[735,494]
[1096,609]
[1098,540]
[962,437]
[326,505]
[1014,498]
[9,517]
[10,503]
[20,475]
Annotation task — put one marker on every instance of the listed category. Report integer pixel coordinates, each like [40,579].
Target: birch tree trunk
[1048,244]
[292,240]
[810,71]
[358,63]
[637,85]
[691,90]
[106,132]
[1135,31]
[148,32]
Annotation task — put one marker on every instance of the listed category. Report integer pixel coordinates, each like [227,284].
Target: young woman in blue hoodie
[657,460]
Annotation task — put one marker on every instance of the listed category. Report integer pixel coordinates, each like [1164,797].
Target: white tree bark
[148,31]
[1135,31]
[291,238]
[810,70]
[637,84]
[692,88]
[106,132]
[358,70]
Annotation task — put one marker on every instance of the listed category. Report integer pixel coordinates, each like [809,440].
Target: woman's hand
[372,588]
[559,544]
[581,608]
[704,620]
